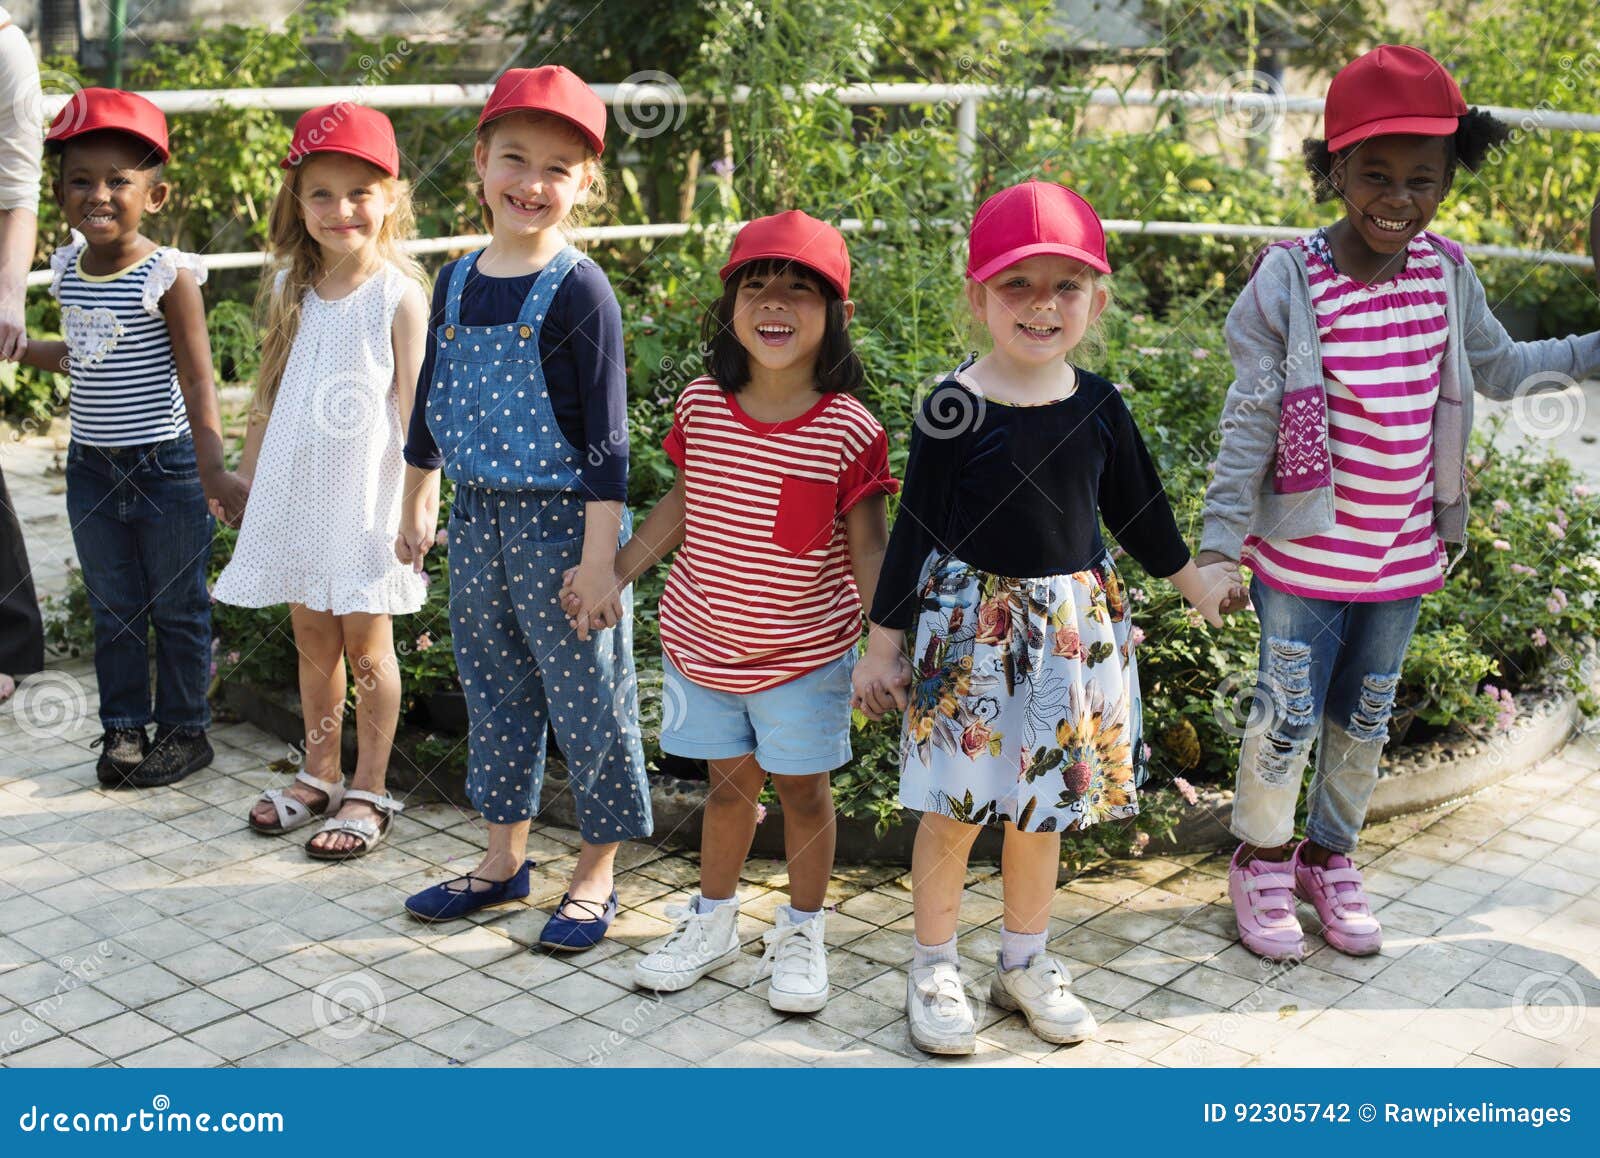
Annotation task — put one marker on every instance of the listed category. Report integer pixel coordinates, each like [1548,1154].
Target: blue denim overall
[516,525]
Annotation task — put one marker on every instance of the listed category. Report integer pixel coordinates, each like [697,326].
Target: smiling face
[1392,186]
[780,315]
[343,202]
[108,182]
[533,170]
[1038,310]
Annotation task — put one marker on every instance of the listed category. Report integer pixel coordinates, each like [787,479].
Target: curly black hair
[1476,136]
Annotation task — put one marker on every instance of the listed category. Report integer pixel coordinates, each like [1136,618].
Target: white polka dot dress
[324,507]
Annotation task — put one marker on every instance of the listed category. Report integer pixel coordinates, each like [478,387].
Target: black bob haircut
[1476,136]
[151,162]
[839,369]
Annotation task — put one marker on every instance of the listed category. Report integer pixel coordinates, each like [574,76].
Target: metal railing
[964,99]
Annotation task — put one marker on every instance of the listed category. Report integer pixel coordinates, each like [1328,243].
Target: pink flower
[1186,790]
[975,740]
[424,641]
[442,539]
[1137,319]
[426,579]
[1501,545]
[1136,636]
[1144,753]
[1505,706]
[1557,531]
[1200,352]
[1501,506]
[1523,569]
[761,813]
[1067,643]
[1539,637]
[232,658]
[1078,777]
[1557,603]
[1583,491]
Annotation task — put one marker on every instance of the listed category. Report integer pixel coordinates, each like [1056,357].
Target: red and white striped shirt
[1381,345]
[761,591]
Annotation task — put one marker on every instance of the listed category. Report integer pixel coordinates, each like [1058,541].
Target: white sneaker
[701,943]
[939,1016]
[797,961]
[1042,992]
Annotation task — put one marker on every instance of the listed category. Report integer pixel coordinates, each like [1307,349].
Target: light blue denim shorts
[795,729]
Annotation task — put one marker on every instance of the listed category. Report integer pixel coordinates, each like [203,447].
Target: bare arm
[18,228]
[866,527]
[410,333]
[185,311]
[658,536]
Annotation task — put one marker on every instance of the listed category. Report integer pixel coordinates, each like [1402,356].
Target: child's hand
[880,684]
[1214,585]
[1238,596]
[226,495]
[592,598]
[415,537]
[13,346]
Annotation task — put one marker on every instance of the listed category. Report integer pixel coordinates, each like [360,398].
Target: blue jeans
[1328,671]
[143,535]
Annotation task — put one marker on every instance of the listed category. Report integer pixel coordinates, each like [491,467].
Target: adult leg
[21,627]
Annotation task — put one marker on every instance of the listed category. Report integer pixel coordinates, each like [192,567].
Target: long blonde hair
[585,208]
[297,267]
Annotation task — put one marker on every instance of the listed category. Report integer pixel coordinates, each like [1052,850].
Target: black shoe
[175,753]
[122,750]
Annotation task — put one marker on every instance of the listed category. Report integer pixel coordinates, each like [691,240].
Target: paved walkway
[154,929]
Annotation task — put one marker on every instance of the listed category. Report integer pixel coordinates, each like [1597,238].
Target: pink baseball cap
[797,237]
[1033,218]
[1391,90]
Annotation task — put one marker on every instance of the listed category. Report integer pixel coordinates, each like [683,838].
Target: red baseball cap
[93,110]
[797,237]
[1392,89]
[1033,218]
[549,89]
[354,130]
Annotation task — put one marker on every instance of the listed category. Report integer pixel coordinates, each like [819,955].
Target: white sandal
[368,831]
[294,813]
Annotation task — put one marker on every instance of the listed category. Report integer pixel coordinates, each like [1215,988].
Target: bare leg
[809,833]
[729,824]
[369,646]
[1030,865]
[319,640]
[938,873]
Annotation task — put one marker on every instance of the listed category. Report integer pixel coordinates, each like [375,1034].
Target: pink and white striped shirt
[1381,345]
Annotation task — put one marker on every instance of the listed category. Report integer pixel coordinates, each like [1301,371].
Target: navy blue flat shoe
[574,934]
[444,903]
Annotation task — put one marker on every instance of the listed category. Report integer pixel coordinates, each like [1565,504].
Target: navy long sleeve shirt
[580,347]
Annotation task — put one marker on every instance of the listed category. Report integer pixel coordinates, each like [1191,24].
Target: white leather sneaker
[939,1015]
[797,962]
[699,944]
[1042,991]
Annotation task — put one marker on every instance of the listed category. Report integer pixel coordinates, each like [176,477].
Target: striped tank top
[1381,346]
[124,378]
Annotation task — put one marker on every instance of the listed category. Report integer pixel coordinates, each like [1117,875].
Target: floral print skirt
[1025,702]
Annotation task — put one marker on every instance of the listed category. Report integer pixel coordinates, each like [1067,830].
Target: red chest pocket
[806,513]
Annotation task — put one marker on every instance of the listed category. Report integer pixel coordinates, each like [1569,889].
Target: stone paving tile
[154,929]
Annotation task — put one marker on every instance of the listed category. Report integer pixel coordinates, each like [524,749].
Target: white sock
[933,954]
[1017,950]
[801,916]
[704,905]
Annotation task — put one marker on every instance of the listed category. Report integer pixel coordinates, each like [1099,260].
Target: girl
[1341,473]
[146,451]
[523,401]
[344,321]
[1024,711]
[779,509]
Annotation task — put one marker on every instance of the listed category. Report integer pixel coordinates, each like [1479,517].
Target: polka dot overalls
[516,525]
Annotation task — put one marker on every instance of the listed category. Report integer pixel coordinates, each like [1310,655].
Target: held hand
[1238,597]
[880,684]
[415,538]
[226,495]
[595,602]
[1215,584]
[13,328]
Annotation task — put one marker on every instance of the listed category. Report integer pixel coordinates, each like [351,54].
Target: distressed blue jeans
[1328,672]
